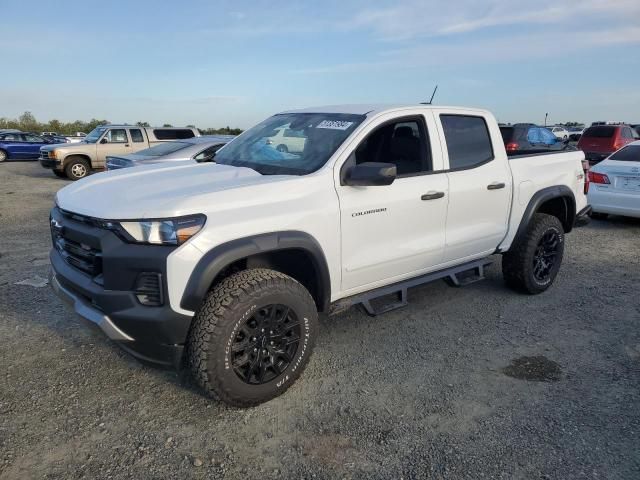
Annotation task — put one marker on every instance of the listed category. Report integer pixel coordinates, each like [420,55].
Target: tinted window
[627,154]
[403,144]
[468,140]
[33,139]
[507,134]
[599,132]
[173,134]
[136,135]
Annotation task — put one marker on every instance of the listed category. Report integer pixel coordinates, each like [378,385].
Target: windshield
[95,134]
[627,154]
[163,149]
[290,143]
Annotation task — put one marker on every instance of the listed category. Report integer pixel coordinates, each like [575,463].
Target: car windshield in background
[630,153]
[95,134]
[599,132]
[163,149]
[290,143]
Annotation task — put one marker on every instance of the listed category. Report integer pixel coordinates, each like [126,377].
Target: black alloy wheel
[545,255]
[266,344]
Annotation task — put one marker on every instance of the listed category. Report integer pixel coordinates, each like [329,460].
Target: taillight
[601,178]
[512,146]
[585,169]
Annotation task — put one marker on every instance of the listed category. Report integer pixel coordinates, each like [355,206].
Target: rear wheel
[3,155]
[76,169]
[252,337]
[533,263]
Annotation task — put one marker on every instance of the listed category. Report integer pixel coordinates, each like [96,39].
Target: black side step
[474,272]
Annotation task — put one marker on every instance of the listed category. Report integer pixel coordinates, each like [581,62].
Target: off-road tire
[217,324]
[518,262]
[3,155]
[59,174]
[76,168]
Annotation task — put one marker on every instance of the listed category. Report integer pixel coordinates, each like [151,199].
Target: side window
[207,154]
[33,139]
[136,135]
[404,144]
[116,135]
[626,133]
[468,141]
[173,134]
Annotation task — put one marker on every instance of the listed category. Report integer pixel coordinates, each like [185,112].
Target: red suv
[600,141]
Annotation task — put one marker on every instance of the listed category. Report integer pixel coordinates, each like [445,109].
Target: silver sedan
[197,149]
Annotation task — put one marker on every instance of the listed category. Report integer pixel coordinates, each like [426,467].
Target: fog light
[148,289]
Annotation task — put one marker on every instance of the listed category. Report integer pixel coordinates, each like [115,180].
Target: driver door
[395,231]
[115,142]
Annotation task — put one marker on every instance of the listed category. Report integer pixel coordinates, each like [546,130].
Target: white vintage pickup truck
[224,267]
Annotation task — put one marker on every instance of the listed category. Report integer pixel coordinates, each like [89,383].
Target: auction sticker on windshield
[334,124]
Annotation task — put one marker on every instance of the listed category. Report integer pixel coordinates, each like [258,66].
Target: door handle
[126,144]
[495,186]
[432,195]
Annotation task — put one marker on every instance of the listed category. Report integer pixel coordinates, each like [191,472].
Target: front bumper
[49,163]
[153,334]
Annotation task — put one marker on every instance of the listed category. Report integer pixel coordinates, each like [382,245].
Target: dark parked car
[599,141]
[20,145]
[528,138]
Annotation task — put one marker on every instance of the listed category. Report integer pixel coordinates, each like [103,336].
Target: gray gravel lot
[416,393]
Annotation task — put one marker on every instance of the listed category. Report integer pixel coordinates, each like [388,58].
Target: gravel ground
[439,389]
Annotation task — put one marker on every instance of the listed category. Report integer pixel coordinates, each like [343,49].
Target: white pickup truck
[224,267]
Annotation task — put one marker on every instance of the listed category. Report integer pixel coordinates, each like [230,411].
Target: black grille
[78,255]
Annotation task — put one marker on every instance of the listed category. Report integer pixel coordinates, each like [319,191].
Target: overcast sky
[217,63]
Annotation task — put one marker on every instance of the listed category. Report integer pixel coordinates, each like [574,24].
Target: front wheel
[533,263]
[252,337]
[76,169]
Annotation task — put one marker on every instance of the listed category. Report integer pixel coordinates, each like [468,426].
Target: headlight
[171,231]
[52,154]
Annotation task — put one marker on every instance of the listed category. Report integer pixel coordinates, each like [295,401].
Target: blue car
[20,145]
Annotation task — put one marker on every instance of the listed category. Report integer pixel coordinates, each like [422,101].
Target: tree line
[27,123]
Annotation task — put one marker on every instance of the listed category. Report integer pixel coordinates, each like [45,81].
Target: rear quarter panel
[534,173]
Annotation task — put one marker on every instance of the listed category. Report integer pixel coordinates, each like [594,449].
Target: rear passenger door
[480,186]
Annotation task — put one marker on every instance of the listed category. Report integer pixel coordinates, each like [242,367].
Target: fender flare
[542,196]
[216,259]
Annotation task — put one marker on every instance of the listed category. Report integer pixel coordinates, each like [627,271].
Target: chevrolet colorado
[224,267]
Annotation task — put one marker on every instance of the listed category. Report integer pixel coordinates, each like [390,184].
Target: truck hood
[68,147]
[153,191]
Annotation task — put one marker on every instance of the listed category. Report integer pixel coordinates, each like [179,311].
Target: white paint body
[560,132]
[622,195]
[409,238]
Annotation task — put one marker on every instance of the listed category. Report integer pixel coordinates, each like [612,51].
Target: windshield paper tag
[334,124]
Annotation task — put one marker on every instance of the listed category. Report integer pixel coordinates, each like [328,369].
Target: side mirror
[104,140]
[371,174]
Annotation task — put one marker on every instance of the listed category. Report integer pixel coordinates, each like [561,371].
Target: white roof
[371,109]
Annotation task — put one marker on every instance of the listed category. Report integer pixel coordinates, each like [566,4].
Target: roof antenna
[431,99]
